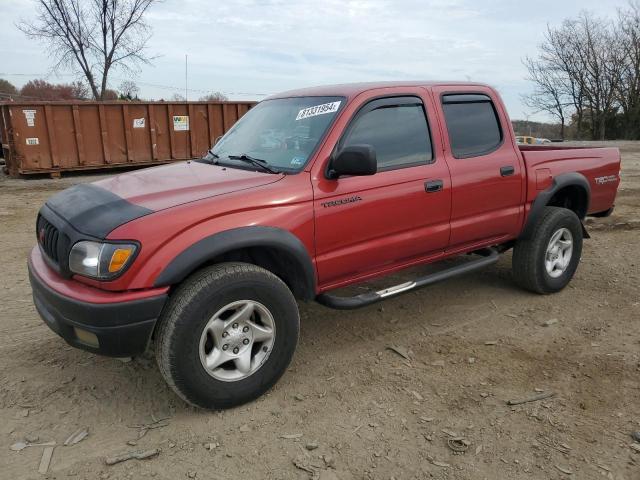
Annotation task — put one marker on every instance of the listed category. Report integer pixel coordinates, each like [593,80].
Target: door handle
[431,186]
[507,171]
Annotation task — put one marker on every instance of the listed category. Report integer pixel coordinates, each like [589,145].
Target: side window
[398,133]
[472,123]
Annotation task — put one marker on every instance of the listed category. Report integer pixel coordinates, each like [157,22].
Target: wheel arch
[274,249]
[568,190]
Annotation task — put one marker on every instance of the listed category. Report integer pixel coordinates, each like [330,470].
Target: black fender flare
[542,200]
[208,248]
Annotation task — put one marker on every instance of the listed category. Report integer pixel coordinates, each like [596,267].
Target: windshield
[282,132]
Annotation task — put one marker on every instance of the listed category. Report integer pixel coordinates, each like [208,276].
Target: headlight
[102,261]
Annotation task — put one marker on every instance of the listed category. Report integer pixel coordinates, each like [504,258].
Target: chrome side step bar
[489,256]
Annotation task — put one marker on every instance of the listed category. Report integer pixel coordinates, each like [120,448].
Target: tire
[184,347]
[530,255]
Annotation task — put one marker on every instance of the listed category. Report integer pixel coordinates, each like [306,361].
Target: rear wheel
[227,335]
[546,262]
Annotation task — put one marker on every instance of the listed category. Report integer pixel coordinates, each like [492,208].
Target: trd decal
[606,179]
[342,201]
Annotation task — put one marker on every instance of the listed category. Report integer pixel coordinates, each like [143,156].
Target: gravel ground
[349,407]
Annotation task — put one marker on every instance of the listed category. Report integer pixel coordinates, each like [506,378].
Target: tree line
[587,75]
[40,89]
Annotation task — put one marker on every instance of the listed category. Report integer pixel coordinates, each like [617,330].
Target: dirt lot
[472,343]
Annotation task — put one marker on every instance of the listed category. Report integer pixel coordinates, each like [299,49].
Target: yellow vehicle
[526,140]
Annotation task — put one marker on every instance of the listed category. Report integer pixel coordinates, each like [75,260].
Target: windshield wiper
[258,162]
[210,157]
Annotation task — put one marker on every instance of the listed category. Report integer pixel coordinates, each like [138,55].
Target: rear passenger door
[486,173]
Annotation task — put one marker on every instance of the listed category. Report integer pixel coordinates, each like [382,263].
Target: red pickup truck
[310,191]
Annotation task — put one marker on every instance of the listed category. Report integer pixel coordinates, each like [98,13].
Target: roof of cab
[351,90]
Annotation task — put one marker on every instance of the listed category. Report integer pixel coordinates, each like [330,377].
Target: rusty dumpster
[54,137]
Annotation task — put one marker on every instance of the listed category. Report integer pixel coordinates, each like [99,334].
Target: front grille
[48,237]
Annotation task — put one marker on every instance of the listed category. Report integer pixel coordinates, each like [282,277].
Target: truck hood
[97,208]
[171,185]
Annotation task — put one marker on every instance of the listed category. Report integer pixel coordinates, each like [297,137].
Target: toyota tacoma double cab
[312,190]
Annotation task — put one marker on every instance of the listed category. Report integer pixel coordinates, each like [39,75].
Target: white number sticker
[30,115]
[318,110]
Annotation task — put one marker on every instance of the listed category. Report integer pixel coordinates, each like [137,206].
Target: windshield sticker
[297,161]
[318,110]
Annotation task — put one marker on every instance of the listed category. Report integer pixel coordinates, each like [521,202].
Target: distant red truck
[310,191]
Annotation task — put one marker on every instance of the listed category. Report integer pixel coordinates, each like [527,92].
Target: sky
[248,49]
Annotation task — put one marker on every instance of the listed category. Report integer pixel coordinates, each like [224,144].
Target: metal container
[55,137]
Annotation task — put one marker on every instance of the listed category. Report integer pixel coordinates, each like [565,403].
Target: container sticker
[33,141]
[318,110]
[180,122]
[138,122]
[30,115]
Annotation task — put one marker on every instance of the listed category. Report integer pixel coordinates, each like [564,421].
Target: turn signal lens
[101,260]
[119,258]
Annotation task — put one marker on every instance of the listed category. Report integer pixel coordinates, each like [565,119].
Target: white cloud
[264,46]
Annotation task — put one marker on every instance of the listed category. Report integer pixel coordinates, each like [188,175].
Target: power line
[17,95]
[179,89]
[37,74]
[154,85]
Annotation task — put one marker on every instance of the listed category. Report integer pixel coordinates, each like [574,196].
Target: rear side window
[398,133]
[472,123]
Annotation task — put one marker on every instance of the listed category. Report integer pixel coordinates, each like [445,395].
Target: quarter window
[472,123]
[398,133]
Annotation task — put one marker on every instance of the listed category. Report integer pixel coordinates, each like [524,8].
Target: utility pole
[527,115]
[186,94]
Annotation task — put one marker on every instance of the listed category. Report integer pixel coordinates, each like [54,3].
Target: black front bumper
[122,329]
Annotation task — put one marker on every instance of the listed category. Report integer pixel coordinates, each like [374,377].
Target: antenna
[186,82]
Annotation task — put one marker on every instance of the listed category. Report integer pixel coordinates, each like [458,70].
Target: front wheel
[227,335]
[546,262]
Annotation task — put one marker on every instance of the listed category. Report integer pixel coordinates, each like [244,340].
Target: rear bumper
[121,328]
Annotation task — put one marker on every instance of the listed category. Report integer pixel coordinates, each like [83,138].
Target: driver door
[366,225]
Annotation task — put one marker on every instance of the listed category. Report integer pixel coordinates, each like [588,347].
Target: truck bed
[599,165]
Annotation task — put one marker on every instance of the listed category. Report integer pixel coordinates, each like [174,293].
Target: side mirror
[354,160]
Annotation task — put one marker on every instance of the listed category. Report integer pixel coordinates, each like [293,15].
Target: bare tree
[550,94]
[79,90]
[558,53]
[214,97]
[7,88]
[43,90]
[93,37]
[629,90]
[580,65]
[601,60]
[129,90]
